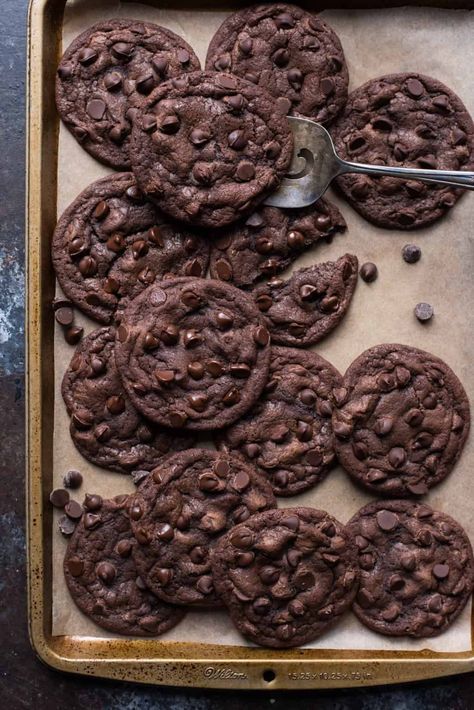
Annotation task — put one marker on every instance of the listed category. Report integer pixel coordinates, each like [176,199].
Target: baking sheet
[376,42]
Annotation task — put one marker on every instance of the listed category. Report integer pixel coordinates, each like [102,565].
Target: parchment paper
[436,42]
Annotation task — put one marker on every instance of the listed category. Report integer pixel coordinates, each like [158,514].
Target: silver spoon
[315,164]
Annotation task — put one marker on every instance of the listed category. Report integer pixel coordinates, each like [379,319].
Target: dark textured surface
[24,681]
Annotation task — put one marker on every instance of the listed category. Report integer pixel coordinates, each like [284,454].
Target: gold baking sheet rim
[144,660]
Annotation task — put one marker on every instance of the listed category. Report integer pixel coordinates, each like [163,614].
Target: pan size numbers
[224,674]
[330,675]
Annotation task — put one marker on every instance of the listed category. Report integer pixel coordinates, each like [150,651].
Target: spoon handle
[455,178]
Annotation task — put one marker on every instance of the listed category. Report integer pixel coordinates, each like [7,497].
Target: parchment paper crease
[376,42]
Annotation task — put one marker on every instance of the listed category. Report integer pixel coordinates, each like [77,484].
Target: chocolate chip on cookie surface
[207,148]
[293,54]
[105,76]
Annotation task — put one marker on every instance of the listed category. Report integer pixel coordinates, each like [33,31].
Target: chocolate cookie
[270,240]
[102,578]
[209,147]
[403,120]
[105,426]
[111,243]
[306,307]
[286,576]
[401,422]
[179,513]
[105,76]
[193,353]
[288,434]
[416,568]
[293,54]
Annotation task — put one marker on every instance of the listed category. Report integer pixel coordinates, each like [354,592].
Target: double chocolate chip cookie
[193,353]
[416,568]
[293,54]
[209,147]
[286,576]
[306,307]
[401,422]
[403,120]
[111,243]
[105,76]
[105,426]
[269,240]
[179,513]
[102,577]
[288,434]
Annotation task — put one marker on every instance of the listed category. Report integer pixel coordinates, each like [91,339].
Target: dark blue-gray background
[24,681]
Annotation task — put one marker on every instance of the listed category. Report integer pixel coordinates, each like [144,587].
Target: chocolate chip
[424,312]
[91,521]
[75,566]
[170,335]
[191,339]
[214,368]
[198,402]
[92,501]
[273,150]
[115,243]
[240,481]
[383,425]
[72,479]
[441,571]
[387,520]
[66,526]
[87,56]
[226,81]
[304,431]
[196,370]
[224,320]
[237,103]
[199,137]
[295,77]
[245,171]
[164,377]
[411,253]
[415,88]
[191,299]
[122,50]
[64,315]
[59,497]
[88,266]
[170,124]
[73,334]
[96,109]
[223,270]
[177,419]
[327,86]
[231,397]
[314,457]
[368,272]
[261,336]
[240,370]
[284,21]
[281,57]
[223,62]
[73,510]
[245,45]
[115,404]
[264,303]
[295,240]
[237,140]
[106,572]
[308,292]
